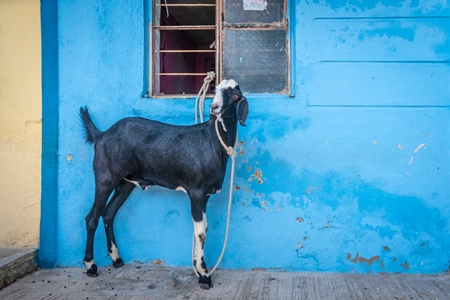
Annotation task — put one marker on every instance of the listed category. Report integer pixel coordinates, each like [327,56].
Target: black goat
[138,151]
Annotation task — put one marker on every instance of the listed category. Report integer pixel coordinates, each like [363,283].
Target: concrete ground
[156,282]
[159,282]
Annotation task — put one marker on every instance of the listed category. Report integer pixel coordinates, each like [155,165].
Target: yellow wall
[20,122]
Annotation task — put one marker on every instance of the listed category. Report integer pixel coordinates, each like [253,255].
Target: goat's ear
[242,111]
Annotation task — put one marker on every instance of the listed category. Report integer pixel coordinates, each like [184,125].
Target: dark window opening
[184,34]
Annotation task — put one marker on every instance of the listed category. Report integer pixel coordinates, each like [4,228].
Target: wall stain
[263,204]
[257,176]
[158,262]
[362,260]
[311,189]
[418,148]
[415,151]
[300,244]
[405,265]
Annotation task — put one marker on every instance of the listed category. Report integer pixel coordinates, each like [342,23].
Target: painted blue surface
[50,120]
[350,175]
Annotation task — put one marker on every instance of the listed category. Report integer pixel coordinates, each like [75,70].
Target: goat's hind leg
[101,197]
[121,193]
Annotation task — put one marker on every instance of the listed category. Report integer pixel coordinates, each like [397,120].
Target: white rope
[201,98]
[231,151]
[167,8]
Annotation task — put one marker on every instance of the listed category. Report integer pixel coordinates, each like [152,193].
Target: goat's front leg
[200,228]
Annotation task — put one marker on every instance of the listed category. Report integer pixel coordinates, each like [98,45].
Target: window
[245,40]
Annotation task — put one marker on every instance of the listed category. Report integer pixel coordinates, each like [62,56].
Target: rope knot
[231,151]
[209,77]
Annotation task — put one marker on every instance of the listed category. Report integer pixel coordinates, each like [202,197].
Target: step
[16,263]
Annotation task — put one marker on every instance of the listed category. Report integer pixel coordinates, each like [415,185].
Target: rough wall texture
[20,123]
[349,175]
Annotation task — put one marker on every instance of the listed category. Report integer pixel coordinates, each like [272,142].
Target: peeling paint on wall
[257,175]
[362,260]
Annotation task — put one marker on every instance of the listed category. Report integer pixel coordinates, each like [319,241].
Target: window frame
[220,27]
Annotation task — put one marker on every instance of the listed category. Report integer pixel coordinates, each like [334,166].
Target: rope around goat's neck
[231,151]
[202,94]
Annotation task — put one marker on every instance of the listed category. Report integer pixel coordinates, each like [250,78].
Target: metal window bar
[155,48]
[182,74]
[184,27]
[185,51]
[185,4]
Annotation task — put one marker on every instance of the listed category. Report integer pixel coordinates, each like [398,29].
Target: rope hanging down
[201,98]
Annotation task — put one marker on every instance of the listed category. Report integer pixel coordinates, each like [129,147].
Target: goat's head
[229,102]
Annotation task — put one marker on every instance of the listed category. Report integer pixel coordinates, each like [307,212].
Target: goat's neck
[228,130]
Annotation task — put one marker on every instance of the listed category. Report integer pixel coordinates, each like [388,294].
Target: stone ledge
[16,263]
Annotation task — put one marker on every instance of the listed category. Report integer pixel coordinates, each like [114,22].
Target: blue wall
[351,174]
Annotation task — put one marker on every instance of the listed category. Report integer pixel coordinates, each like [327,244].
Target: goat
[142,152]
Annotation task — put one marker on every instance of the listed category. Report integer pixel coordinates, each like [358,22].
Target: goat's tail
[92,133]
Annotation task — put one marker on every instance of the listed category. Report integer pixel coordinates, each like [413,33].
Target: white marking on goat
[180,188]
[133,182]
[217,103]
[224,84]
[114,254]
[200,236]
[89,264]
[215,192]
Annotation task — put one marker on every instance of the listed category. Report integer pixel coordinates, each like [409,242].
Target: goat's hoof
[204,286]
[118,263]
[92,271]
[205,282]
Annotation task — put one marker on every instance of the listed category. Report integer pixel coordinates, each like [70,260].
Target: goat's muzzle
[215,109]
